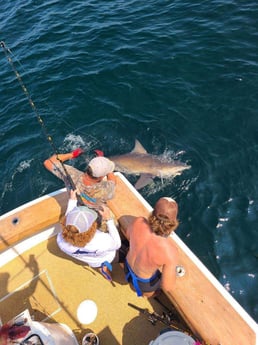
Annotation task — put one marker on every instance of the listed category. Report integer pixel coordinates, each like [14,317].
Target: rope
[41,122]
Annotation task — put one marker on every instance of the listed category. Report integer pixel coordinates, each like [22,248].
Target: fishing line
[41,122]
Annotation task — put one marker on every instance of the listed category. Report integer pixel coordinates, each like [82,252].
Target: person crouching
[81,239]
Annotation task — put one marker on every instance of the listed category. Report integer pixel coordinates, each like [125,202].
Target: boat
[47,295]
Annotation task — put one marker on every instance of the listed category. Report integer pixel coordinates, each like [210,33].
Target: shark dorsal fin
[138,148]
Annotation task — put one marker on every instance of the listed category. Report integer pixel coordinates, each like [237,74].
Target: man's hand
[105,212]
[99,153]
[76,153]
[73,194]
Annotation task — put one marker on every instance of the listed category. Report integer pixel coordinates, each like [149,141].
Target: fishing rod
[167,318]
[41,122]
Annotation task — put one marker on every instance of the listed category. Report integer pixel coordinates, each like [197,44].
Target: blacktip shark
[148,166]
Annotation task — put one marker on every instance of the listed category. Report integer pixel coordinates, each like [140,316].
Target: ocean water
[179,76]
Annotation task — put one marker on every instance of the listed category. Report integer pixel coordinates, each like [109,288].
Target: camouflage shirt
[98,193]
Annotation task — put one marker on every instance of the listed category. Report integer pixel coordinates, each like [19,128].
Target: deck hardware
[15,221]
[180,271]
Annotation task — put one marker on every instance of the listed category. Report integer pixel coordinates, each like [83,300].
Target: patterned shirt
[97,193]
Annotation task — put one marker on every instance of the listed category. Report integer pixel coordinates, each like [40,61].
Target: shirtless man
[152,251]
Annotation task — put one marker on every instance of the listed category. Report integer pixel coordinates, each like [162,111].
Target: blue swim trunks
[140,284]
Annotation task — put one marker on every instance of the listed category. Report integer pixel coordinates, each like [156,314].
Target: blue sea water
[180,76]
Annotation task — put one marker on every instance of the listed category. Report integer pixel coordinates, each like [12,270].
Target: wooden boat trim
[32,217]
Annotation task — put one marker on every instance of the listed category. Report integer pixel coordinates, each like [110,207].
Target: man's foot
[105,270]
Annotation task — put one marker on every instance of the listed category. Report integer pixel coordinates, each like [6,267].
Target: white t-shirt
[101,248]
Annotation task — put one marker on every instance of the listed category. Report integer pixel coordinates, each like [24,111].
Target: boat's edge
[15,250]
[32,202]
[30,218]
[216,283]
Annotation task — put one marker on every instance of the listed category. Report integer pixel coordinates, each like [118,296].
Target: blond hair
[161,225]
[72,235]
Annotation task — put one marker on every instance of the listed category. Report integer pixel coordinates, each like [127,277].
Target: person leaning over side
[81,239]
[152,258]
[96,185]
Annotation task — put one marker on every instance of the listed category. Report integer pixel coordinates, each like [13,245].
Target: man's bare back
[150,252]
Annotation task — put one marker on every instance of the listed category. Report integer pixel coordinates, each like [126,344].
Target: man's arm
[111,177]
[51,161]
[72,201]
[168,280]
[115,240]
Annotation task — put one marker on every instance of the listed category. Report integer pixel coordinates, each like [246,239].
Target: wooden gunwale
[31,218]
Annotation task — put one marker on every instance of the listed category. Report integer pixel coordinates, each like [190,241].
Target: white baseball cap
[101,166]
[81,217]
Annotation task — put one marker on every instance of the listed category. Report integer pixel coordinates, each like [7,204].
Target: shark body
[148,166]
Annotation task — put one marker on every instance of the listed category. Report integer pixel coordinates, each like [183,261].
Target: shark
[148,166]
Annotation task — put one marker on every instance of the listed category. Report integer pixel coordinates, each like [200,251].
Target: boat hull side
[31,218]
